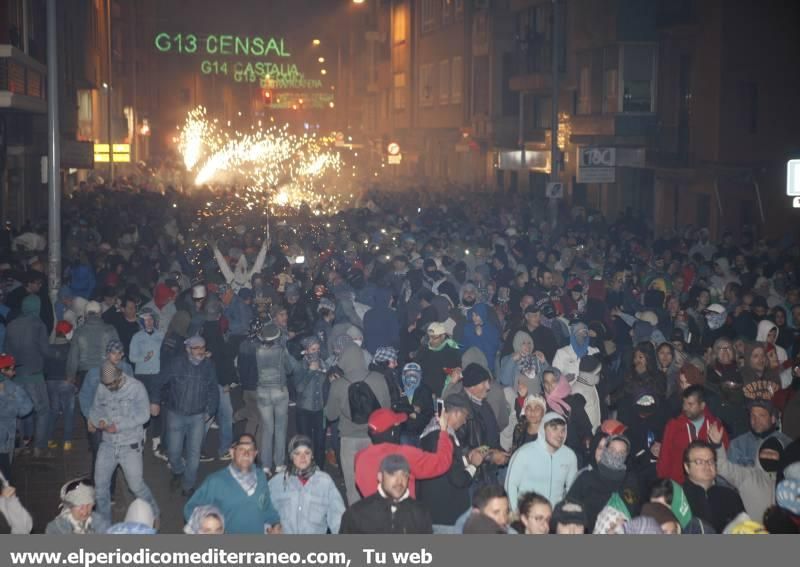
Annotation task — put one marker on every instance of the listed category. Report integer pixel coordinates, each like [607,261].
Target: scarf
[555,399]
[302,475]
[411,381]
[447,343]
[581,347]
[247,480]
[78,527]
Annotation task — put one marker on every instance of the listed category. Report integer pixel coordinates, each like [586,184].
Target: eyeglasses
[706,462]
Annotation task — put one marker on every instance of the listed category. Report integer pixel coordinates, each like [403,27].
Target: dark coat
[717,505]
[593,488]
[433,364]
[374,515]
[446,496]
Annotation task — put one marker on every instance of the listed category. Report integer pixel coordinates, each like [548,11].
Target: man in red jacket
[690,426]
[384,430]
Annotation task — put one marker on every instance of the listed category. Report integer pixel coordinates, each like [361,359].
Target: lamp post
[54,157]
[554,151]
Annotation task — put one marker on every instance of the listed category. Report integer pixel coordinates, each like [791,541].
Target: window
[638,81]
[399,24]
[610,92]
[542,112]
[399,91]
[429,13]
[426,86]
[584,105]
[456,79]
[84,106]
[444,81]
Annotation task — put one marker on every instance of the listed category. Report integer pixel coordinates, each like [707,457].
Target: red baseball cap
[384,419]
[613,427]
[7,361]
[63,327]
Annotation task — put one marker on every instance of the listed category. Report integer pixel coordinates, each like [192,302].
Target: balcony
[611,129]
[23,81]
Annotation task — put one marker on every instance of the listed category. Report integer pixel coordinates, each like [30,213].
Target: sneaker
[205,458]
[268,472]
[225,456]
[330,457]
[67,446]
[155,441]
[280,469]
[52,444]
[214,425]
[292,404]
[160,454]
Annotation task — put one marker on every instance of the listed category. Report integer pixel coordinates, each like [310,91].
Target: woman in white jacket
[768,334]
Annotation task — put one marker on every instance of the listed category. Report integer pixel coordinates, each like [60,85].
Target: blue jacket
[309,385]
[310,509]
[82,280]
[534,468]
[89,387]
[243,514]
[489,341]
[141,344]
[14,403]
[381,324]
[744,448]
[239,315]
[189,389]
[128,408]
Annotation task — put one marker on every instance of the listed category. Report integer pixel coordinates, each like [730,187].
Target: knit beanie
[474,374]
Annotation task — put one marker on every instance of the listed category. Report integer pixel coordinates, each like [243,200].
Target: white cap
[648,316]
[93,307]
[198,291]
[716,308]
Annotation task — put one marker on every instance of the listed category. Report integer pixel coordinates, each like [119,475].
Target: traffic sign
[393,149]
[793,177]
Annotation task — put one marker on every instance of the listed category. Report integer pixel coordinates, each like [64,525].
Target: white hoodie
[764,327]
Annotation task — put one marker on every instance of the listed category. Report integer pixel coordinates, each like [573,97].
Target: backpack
[362,402]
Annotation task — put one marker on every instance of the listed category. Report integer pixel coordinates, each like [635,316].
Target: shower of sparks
[261,173]
[291,169]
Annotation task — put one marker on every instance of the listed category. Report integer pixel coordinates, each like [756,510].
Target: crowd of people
[413,364]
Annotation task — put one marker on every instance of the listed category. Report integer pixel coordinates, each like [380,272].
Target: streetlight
[315,41]
[324,72]
[321,60]
[358,1]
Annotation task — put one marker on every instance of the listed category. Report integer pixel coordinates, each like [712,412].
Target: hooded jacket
[764,327]
[143,343]
[355,369]
[744,448]
[488,341]
[88,347]
[27,340]
[534,468]
[381,323]
[755,485]
[15,403]
[678,433]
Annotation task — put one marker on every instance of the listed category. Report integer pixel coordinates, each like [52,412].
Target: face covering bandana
[715,320]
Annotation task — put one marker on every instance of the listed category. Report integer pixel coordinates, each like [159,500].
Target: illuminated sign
[268,75]
[221,44]
[118,153]
[393,149]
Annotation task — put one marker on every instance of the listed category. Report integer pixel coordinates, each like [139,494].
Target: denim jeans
[188,431]
[151,384]
[312,424]
[35,425]
[273,406]
[249,412]
[61,395]
[130,460]
[224,421]
[350,446]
